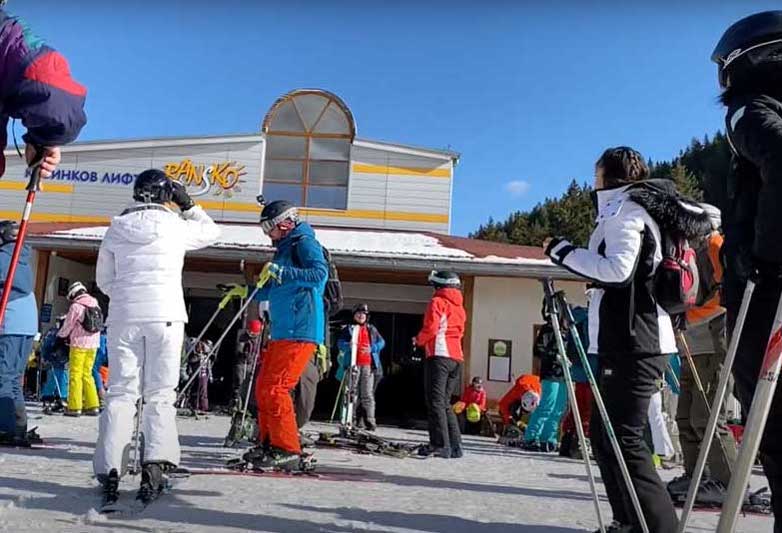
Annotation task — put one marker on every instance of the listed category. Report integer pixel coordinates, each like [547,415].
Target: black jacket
[751,219]
[621,261]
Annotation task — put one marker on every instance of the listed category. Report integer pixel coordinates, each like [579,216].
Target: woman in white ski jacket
[140,268]
[630,332]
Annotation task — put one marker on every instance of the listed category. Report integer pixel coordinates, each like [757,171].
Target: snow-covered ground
[491,490]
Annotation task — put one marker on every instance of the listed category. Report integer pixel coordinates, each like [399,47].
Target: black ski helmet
[444,278]
[752,42]
[278,211]
[8,231]
[152,187]
[361,308]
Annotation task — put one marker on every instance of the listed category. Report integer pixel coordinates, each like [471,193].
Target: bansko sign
[224,177]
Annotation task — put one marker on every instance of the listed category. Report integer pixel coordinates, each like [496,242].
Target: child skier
[82,391]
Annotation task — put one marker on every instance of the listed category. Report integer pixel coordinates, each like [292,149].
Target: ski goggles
[289,214]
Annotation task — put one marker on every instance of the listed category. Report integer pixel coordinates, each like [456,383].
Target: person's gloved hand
[234,291]
[271,271]
[180,197]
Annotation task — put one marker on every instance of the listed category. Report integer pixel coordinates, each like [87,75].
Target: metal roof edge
[415,264]
[119,144]
[407,149]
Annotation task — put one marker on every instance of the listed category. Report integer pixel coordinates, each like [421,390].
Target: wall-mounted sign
[220,178]
[62,286]
[223,178]
[46,313]
[500,352]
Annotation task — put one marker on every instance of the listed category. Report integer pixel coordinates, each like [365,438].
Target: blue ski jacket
[296,302]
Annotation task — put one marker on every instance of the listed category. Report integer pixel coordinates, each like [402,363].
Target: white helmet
[77,288]
[530,401]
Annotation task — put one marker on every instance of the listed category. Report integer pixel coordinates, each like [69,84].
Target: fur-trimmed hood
[674,213]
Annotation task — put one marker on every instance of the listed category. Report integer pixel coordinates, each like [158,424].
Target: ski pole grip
[35,169]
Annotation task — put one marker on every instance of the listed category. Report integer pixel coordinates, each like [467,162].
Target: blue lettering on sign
[92,176]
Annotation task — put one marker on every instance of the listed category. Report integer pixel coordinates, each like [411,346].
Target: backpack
[708,286]
[92,321]
[333,299]
[677,280]
[332,294]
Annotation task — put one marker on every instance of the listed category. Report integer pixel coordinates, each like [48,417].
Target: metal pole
[609,428]
[571,391]
[719,398]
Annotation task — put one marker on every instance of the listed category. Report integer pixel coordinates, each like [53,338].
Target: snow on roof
[349,242]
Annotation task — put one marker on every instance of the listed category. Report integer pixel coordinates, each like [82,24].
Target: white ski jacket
[621,260]
[141,258]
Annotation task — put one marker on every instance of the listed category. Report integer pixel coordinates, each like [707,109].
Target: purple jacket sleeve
[36,86]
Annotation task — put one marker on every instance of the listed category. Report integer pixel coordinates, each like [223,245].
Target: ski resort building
[383,209]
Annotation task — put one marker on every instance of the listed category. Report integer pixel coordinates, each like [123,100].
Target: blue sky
[529,93]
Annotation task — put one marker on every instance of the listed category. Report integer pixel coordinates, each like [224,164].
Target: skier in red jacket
[441,337]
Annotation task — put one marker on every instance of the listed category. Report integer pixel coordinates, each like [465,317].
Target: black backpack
[333,300]
[92,321]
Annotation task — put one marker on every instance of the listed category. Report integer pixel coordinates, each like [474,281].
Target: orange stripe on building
[45,187]
[361,168]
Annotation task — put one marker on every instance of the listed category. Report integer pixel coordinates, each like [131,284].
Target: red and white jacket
[443,329]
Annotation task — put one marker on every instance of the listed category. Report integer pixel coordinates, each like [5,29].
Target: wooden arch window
[308,138]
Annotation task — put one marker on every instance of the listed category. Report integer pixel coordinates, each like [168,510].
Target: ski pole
[258,346]
[607,426]
[756,424]
[135,469]
[217,344]
[223,303]
[340,391]
[548,289]
[33,186]
[702,392]
[716,404]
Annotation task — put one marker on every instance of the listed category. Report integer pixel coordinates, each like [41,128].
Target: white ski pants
[143,359]
[663,445]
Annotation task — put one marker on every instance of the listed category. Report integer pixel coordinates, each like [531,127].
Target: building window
[308,138]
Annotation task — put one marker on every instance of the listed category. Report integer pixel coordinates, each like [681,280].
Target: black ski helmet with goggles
[153,187]
[361,308]
[444,279]
[751,43]
[276,212]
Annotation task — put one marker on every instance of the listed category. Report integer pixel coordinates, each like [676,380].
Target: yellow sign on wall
[225,176]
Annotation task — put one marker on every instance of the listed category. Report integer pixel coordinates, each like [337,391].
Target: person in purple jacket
[36,87]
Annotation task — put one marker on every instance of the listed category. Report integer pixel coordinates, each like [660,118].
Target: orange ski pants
[282,366]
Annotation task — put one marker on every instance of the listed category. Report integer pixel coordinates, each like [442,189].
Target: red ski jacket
[472,395]
[524,383]
[443,329]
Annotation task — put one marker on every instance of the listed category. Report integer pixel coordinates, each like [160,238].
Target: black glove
[180,197]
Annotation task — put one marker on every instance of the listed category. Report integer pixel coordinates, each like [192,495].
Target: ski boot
[427,450]
[758,501]
[33,437]
[277,459]
[616,527]
[678,487]
[110,485]
[531,446]
[153,482]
